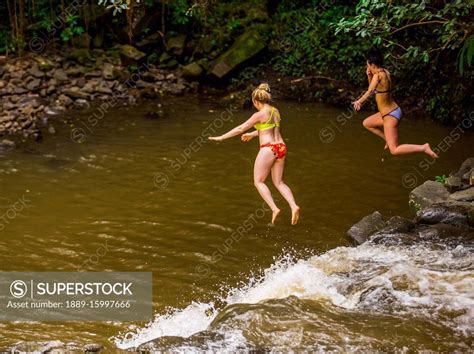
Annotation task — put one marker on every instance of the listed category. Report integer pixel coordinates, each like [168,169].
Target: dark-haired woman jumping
[385,122]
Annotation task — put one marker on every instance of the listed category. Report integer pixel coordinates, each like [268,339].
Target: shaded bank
[231,44]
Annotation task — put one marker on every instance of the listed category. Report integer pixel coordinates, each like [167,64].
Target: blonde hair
[262,93]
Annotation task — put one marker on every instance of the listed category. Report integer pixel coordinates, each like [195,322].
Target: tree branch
[418,24]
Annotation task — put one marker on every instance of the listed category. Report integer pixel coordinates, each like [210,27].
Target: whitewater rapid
[433,283]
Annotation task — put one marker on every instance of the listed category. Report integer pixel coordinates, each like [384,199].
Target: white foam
[417,278]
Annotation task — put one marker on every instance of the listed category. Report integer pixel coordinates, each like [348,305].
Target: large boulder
[457,214]
[466,195]
[466,168]
[129,55]
[192,71]
[369,224]
[427,194]
[245,47]
[175,45]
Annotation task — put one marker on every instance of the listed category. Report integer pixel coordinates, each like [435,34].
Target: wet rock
[35,72]
[36,347]
[32,101]
[81,55]
[19,91]
[427,194]
[81,103]
[108,72]
[60,76]
[75,71]
[466,167]
[192,71]
[51,130]
[148,92]
[369,224]
[458,214]
[175,45]
[64,101]
[93,348]
[397,224]
[5,143]
[449,234]
[245,47]
[75,92]
[44,63]
[466,195]
[34,134]
[33,84]
[453,183]
[93,74]
[103,90]
[129,55]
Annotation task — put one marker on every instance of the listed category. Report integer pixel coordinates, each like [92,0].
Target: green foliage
[117,5]
[416,30]
[6,42]
[71,28]
[307,43]
[441,179]
[465,54]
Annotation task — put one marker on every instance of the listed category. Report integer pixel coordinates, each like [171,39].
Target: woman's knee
[278,183]
[393,150]
[366,123]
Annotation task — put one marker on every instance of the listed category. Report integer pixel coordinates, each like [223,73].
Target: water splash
[433,283]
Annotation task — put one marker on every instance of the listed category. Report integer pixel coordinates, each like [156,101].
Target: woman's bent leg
[374,124]
[391,134]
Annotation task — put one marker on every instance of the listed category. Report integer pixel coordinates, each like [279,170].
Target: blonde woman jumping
[271,157]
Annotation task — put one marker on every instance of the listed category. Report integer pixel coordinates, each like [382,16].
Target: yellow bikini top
[267,124]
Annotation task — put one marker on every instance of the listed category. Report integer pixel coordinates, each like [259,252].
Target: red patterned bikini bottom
[279,149]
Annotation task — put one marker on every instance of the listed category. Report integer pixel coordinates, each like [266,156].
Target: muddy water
[143,194]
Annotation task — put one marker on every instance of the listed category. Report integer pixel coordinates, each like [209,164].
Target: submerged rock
[93,348]
[427,194]
[369,224]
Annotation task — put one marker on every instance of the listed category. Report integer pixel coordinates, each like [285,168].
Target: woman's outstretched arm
[255,118]
[373,84]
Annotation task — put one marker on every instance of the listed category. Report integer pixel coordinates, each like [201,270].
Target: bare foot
[274,215]
[295,215]
[427,150]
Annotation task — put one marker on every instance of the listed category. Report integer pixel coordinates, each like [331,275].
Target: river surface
[156,198]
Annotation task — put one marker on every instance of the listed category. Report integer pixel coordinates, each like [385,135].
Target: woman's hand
[246,137]
[357,105]
[216,138]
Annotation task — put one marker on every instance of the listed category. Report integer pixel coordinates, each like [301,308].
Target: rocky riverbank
[444,212]
[34,90]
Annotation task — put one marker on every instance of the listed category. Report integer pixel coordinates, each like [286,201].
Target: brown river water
[141,194]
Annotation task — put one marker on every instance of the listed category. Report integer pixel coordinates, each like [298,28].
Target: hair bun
[264,87]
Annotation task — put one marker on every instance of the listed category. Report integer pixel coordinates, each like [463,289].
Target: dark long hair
[375,57]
